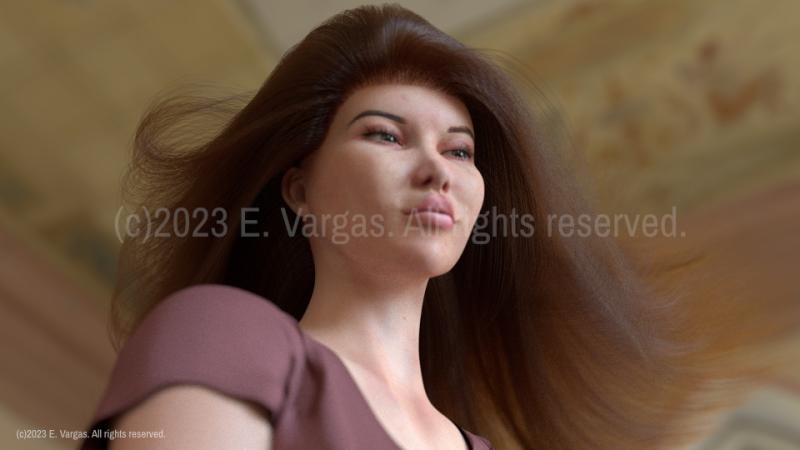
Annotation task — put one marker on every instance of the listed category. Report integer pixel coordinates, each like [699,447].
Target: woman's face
[389,148]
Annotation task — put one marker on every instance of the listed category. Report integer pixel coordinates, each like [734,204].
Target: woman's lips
[435,210]
[431,219]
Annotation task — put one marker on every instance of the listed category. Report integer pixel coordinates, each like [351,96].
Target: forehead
[415,103]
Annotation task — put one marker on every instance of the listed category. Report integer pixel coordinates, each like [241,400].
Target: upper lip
[435,203]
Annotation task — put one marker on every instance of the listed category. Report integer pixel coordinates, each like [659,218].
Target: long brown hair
[545,341]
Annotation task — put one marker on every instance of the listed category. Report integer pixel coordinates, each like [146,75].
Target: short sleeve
[217,336]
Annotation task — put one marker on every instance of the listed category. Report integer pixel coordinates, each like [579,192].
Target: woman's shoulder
[220,329]
[222,333]
[216,336]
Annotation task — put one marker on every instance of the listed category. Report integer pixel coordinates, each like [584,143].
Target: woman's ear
[293,190]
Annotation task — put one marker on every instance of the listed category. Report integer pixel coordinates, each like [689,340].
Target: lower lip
[432,219]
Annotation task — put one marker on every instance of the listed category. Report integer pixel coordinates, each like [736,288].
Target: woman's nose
[431,171]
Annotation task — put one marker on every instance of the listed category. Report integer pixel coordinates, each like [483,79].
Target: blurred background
[683,103]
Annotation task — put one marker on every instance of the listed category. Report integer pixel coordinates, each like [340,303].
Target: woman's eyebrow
[398,119]
[375,112]
[462,130]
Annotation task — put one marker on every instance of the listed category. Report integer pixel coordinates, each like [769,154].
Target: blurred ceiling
[77,77]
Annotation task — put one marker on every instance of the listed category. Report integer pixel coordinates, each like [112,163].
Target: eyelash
[377,130]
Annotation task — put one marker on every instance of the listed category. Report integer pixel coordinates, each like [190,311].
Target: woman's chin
[430,264]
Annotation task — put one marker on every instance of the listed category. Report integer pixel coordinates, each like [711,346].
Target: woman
[334,292]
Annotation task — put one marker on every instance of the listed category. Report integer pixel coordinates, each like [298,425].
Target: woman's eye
[463,153]
[382,134]
[387,136]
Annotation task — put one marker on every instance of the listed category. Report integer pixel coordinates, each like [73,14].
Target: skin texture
[368,292]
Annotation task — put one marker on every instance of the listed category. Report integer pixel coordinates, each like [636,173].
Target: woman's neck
[371,322]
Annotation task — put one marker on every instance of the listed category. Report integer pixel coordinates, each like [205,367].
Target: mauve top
[243,345]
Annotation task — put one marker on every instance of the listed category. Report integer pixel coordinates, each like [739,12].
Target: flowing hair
[545,341]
